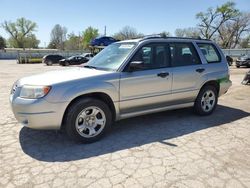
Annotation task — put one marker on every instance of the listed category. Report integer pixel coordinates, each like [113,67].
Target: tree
[89,34]
[2,43]
[165,34]
[19,31]
[187,32]
[30,41]
[127,32]
[245,43]
[58,37]
[213,19]
[230,33]
[73,42]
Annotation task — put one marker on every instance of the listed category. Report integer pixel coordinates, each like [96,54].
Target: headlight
[34,92]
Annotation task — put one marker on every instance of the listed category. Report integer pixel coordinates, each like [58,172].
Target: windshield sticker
[126,46]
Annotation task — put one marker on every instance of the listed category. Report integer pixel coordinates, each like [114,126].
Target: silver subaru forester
[126,79]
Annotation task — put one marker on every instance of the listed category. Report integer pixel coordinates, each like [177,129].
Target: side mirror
[135,65]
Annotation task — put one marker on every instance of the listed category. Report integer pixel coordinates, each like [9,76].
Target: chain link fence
[236,52]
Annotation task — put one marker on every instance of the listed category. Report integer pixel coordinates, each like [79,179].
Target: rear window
[210,52]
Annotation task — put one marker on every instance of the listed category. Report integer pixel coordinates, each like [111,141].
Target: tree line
[225,24]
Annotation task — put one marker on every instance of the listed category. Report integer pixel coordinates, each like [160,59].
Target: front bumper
[37,113]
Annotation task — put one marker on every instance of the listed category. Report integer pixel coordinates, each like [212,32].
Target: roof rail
[166,37]
[193,38]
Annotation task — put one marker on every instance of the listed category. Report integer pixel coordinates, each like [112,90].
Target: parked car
[126,79]
[243,61]
[52,59]
[87,55]
[229,60]
[73,60]
[103,41]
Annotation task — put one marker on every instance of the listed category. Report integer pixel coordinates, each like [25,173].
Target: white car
[88,55]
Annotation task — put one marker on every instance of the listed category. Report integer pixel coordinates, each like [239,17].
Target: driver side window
[152,56]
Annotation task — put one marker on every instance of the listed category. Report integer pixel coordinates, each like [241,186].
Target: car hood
[59,76]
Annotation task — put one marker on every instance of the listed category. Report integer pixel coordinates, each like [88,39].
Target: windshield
[111,57]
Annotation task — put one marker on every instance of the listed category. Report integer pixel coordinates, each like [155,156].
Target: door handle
[200,70]
[163,74]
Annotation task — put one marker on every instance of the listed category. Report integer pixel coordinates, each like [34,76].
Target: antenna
[105,30]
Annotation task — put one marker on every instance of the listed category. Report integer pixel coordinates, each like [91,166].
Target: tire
[237,66]
[206,100]
[66,64]
[49,63]
[81,120]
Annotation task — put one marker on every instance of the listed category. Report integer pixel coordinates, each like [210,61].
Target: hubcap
[90,122]
[208,100]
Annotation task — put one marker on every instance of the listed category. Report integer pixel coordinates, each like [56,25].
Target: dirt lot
[168,149]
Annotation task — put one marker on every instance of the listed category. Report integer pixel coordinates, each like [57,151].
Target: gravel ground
[168,149]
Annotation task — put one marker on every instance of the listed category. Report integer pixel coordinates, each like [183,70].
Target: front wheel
[206,100]
[87,120]
[49,63]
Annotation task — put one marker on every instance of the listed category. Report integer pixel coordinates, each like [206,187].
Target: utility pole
[105,30]
[79,41]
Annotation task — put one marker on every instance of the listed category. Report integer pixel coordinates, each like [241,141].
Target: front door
[149,87]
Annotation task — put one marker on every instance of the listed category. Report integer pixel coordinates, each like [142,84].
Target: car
[229,60]
[126,79]
[103,41]
[73,60]
[52,59]
[243,60]
[87,55]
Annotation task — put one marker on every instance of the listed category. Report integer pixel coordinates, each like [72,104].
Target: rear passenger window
[183,54]
[210,52]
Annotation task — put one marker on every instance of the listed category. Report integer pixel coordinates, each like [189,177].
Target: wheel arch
[96,95]
[213,83]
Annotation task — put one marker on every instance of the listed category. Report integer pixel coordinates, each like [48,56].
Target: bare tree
[127,32]
[245,42]
[19,31]
[187,32]
[58,37]
[230,33]
[213,19]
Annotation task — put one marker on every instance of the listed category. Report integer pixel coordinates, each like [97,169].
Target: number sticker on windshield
[126,46]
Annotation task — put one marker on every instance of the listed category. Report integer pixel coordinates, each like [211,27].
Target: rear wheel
[206,100]
[87,120]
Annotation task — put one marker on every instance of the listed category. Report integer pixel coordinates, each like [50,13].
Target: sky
[147,16]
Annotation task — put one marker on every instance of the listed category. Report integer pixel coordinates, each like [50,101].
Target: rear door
[187,71]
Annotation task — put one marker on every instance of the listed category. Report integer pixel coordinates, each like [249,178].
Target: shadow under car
[51,146]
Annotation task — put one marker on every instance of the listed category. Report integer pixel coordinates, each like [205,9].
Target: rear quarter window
[210,52]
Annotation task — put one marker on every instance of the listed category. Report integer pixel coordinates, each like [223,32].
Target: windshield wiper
[89,66]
